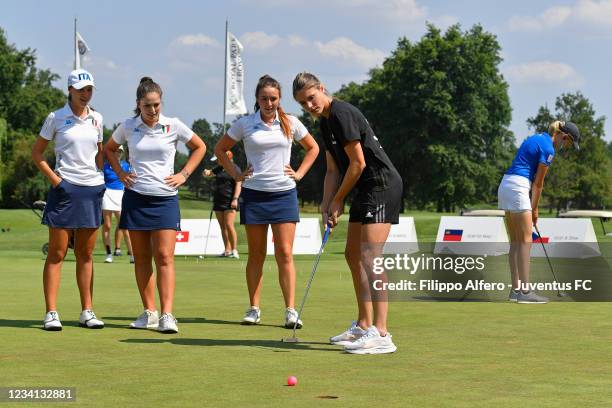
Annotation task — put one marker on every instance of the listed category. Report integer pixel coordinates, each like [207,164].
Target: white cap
[79,79]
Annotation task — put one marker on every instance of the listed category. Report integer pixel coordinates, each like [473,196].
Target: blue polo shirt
[110,177]
[534,150]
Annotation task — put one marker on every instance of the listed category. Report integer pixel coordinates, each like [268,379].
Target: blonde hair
[555,127]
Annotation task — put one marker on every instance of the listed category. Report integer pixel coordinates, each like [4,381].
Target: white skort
[112,200]
[513,193]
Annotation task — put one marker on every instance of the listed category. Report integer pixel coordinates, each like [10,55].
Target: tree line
[439,106]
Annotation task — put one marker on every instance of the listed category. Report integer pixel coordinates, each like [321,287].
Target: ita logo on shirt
[165,129]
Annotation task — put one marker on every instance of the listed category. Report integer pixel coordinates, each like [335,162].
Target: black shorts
[223,203]
[376,207]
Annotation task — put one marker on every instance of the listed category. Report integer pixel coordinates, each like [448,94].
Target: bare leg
[106,227]
[514,250]
[352,254]
[84,243]
[257,242]
[164,242]
[128,241]
[58,246]
[284,235]
[221,219]
[232,236]
[118,234]
[373,237]
[141,244]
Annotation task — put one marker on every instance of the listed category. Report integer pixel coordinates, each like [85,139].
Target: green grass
[449,354]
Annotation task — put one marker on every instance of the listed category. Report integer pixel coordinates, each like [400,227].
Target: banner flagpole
[77,63]
[225,78]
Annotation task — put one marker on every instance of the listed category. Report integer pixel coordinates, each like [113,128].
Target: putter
[294,339]
[560,293]
[208,232]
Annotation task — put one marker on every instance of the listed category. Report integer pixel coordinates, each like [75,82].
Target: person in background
[519,194]
[111,205]
[225,204]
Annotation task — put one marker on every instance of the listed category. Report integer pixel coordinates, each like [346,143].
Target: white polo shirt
[267,149]
[152,152]
[76,145]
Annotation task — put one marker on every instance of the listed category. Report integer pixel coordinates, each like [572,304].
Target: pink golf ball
[291,381]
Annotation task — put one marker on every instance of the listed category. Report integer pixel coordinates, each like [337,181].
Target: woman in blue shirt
[525,176]
[111,204]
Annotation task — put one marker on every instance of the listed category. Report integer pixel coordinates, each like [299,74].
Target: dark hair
[265,82]
[145,86]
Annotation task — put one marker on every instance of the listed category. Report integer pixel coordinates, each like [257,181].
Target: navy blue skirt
[266,207]
[73,206]
[141,212]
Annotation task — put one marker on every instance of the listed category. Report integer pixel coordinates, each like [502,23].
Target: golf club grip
[326,234]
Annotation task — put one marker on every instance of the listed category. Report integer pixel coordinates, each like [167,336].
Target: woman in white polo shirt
[150,207]
[269,195]
[74,201]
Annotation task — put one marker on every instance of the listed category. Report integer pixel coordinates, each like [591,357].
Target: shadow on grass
[190,320]
[38,324]
[267,344]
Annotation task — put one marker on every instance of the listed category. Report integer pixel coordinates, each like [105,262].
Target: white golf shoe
[371,343]
[147,320]
[347,337]
[89,320]
[52,321]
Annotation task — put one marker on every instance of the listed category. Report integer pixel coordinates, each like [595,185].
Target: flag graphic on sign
[536,239]
[182,236]
[452,235]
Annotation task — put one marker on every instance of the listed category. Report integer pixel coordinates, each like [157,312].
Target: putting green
[449,354]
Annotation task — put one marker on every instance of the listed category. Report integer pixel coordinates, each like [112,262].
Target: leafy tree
[26,98]
[441,110]
[577,179]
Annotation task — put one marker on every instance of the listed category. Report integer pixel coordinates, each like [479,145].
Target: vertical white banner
[235,77]
[80,48]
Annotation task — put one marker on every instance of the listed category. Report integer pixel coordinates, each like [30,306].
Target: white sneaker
[118,252]
[234,254]
[291,316]
[109,258]
[89,320]
[252,315]
[371,343]
[147,320]
[347,337]
[132,260]
[52,322]
[167,324]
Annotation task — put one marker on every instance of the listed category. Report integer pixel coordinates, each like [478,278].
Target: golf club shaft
[312,274]
[208,232]
[552,271]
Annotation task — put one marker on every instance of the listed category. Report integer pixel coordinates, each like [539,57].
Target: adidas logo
[369,215]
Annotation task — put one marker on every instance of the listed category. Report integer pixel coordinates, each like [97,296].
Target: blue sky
[549,47]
